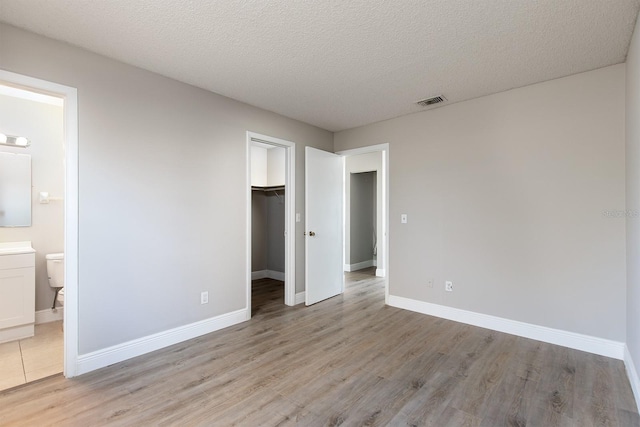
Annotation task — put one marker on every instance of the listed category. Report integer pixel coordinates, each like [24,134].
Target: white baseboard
[267,274]
[48,315]
[16,333]
[358,265]
[573,340]
[300,297]
[380,272]
[632,374]
[261,274]
[275,275]
[117,353]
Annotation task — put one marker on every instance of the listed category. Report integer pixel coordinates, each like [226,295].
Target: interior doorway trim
[289,215]
[70,117]
[384,149]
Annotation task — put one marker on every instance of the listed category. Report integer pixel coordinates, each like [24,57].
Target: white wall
[276,166]
[633,205]
[259,167]
[43,125]
[506,196]
[267,166]
[162,190]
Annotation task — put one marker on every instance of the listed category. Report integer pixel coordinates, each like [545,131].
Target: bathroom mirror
[15,190]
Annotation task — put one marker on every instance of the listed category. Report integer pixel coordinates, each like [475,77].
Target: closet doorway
[271,205]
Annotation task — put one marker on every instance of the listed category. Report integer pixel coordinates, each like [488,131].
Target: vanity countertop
[16,248]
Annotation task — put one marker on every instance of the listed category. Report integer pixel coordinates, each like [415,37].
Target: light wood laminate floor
[349,360]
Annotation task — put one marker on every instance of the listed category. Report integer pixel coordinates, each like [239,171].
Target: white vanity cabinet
[17,290]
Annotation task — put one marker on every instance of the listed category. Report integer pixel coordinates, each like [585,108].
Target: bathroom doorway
[46,114]
[39,119]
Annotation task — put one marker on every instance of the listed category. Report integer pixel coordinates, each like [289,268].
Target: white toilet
[55,272]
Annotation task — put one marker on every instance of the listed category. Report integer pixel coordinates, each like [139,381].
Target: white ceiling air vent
[430,101]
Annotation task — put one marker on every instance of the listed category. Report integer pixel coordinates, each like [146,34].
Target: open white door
[324,225]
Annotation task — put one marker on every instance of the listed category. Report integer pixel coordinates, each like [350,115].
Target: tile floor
[32,358]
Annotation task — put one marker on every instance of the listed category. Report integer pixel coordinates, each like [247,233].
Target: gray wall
[506,196]
[369,162]
[258,230]
[267,233]
[43,125]
[362,219]
[162,190]
[275,231]
[633,197]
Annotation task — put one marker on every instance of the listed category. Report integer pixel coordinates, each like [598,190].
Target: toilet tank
[55,270]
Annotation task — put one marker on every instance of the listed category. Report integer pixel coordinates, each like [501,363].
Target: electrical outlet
[430,283]
[204,297]
[403,218]
[448,286]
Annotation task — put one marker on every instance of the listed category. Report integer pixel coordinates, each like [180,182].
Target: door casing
[290,215]
[70,118]
[384,256]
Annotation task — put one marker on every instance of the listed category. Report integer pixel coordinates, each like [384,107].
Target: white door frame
[289,215]
[70,111]
[384,148]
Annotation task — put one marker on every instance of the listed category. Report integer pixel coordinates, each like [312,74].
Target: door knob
[311,233]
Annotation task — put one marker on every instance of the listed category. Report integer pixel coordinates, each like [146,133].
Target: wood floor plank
[553,404]
[474,395]
[622,393]
[381,405]
[594,399]
[455,417]
[427,405]
[516,395]
[628,418]
[349,360]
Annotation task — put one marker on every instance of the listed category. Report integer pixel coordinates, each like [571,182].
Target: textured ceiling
[338,64]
